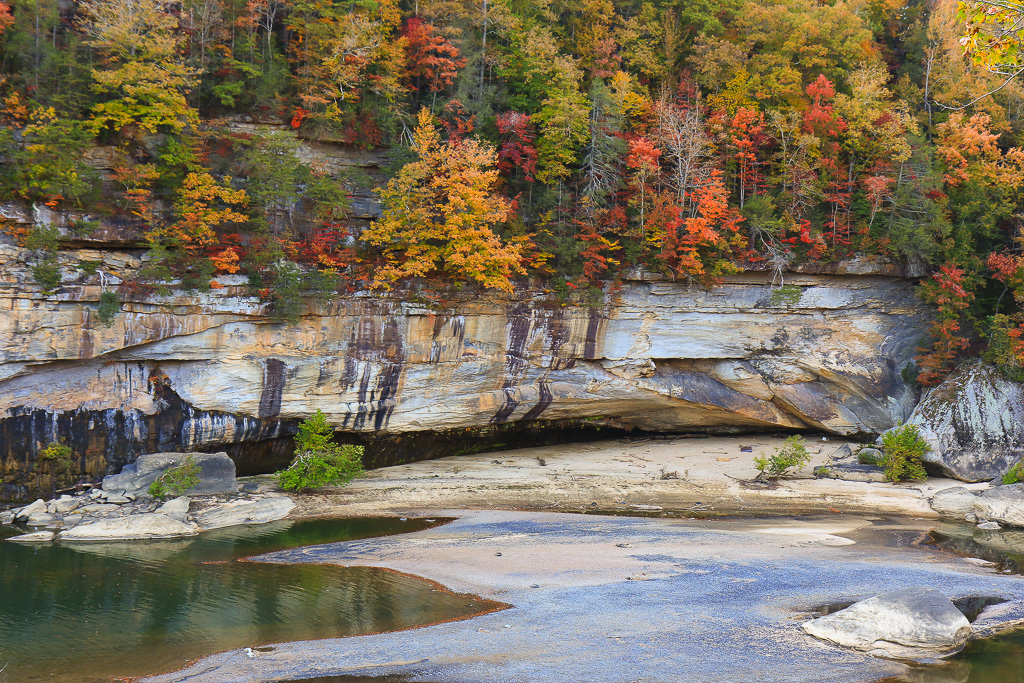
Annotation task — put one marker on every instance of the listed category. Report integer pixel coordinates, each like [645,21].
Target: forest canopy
[571,143]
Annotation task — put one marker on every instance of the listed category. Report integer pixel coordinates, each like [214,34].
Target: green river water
[88,611]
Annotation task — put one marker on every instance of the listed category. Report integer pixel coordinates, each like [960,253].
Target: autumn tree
[433,62]
[142,78]
[182,247]
[440,213]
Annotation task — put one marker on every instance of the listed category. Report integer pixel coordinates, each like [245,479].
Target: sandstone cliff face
[202,371]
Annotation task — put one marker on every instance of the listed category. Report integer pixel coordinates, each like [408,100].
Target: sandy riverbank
[699,473]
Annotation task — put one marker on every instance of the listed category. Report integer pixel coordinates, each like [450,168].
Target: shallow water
[88,611]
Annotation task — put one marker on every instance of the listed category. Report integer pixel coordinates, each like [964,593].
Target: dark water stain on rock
[85,344]
[520,321]
[595,328]
[507,407]
[387,384]
[103,441]
[543,402]
[274,375]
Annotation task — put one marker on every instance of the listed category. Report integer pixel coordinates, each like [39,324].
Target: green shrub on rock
[792,454]
[318,460]
[177,480]
[903,448]
[59,460]
[1015,474]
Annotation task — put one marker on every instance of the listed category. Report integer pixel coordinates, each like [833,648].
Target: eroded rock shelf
[208,371]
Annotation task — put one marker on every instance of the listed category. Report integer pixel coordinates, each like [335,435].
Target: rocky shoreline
[124,509]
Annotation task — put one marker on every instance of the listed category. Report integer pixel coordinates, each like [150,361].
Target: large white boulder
[147,525]
[36,507]
[245,512]
[974,423]
[912,623]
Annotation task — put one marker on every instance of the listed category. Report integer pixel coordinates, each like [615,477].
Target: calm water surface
[85,612]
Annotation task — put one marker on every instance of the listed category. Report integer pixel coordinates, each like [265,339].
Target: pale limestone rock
[955,501]
[176,508]
[39,519]
[36,507]
[141,526]
[1003,504]
[245,512]
[98,509]
[63,505]
[35,537]
[912,623]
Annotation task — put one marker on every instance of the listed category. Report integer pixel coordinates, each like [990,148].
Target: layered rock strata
[205,371]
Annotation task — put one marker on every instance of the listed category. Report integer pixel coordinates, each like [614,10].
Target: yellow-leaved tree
[440,212]
[143,77]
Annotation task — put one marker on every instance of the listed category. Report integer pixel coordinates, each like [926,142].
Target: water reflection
[85,612]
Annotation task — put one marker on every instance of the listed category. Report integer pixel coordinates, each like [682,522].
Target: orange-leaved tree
[203,205]
[947,290]
[440,212]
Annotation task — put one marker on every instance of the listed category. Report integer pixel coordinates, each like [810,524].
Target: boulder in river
[146,525]
[245,512]
[216,473]
[913,623]
[974,423]
[34,508]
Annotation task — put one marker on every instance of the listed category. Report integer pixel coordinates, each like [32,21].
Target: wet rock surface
[912,623]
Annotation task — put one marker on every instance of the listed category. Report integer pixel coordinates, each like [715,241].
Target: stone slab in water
[245,512]
[216,473]
[1004,504]
[147,525]
[36,537]
[912,623]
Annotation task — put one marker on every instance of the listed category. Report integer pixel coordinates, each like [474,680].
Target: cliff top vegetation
[569,141]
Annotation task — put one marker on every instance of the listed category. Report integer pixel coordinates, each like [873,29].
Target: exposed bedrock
[200,372]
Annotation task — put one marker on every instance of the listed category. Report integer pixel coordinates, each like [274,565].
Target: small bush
[177,480]
[334,466]
[792,454]
[869,456]
[903,449]
[786,295]
[58,457]
[47,275]
[108,309]
[89,268]
[319,461]
[1015,474]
